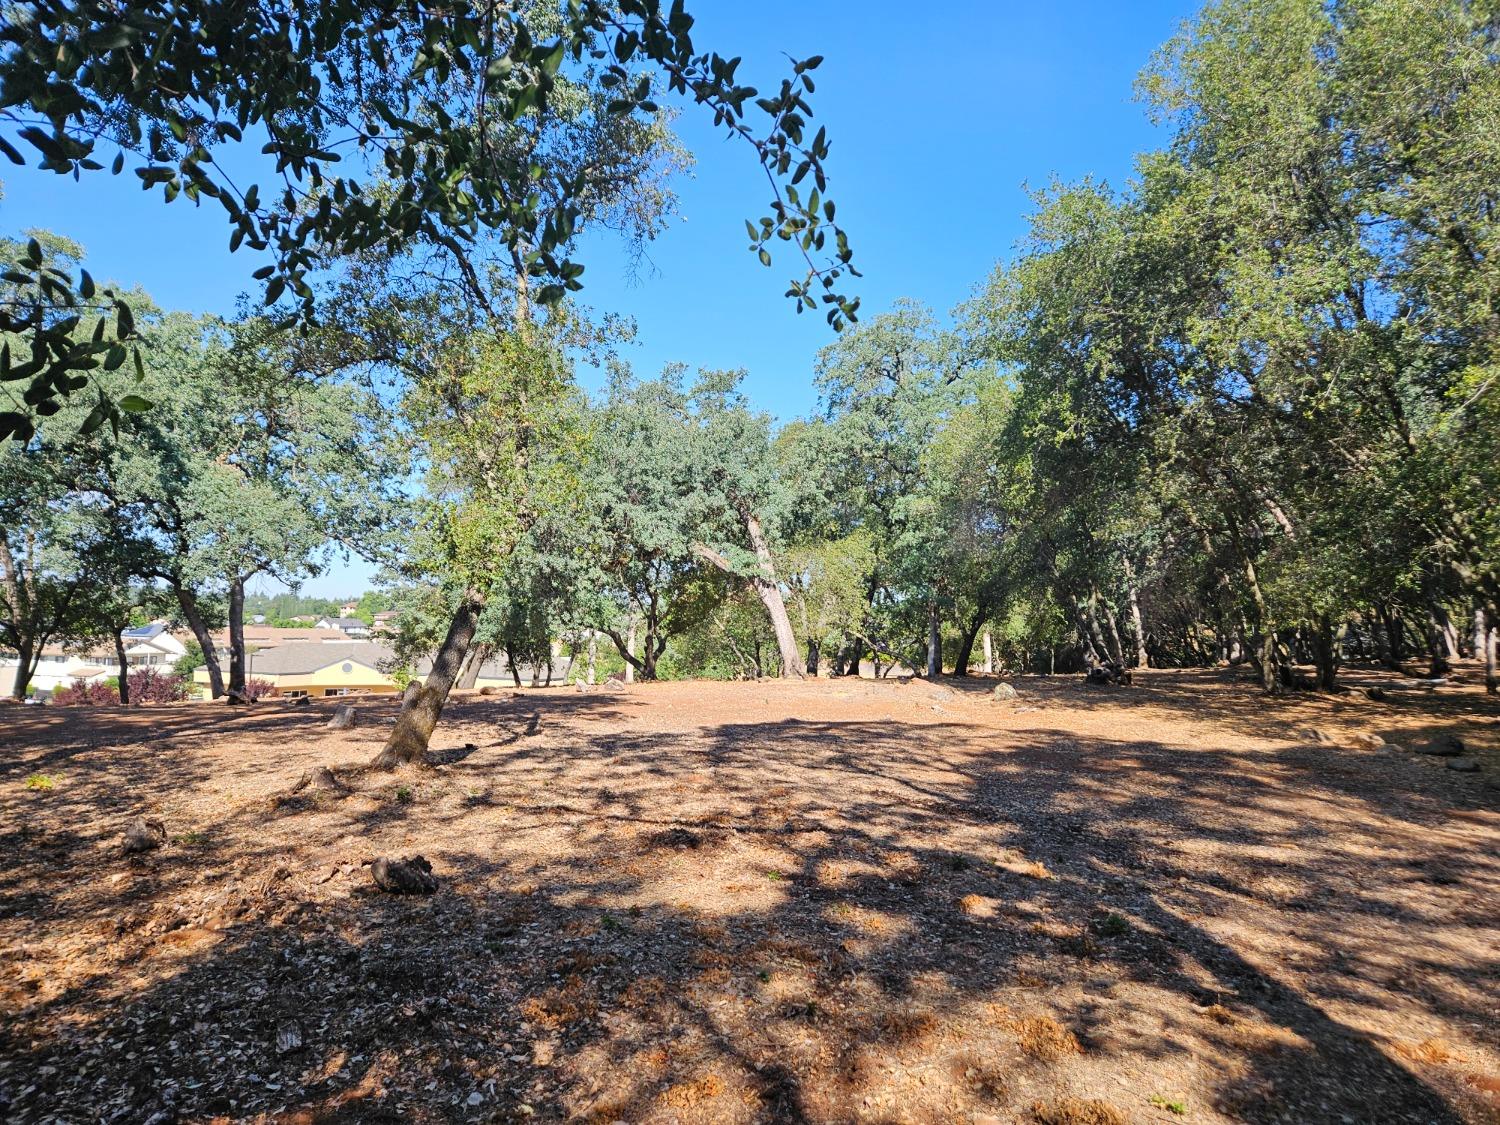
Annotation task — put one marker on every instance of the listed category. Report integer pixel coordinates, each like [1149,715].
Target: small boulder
[1464,765]
[144,835]
[1366,741]
[1313,734]
[343,718]
[1443,746]
[489,689]
[1004,692]
[411,875]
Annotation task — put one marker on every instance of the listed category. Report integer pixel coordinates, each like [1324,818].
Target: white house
[349,626]
[148,646]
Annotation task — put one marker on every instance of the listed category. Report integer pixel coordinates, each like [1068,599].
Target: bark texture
[413,731]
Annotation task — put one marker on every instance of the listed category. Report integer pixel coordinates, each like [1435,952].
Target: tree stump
[144,835]
[343,717]
[411,875]
[321,779]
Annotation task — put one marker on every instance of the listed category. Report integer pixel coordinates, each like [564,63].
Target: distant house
[317,669]
[349,626]
[349,609]
[384,621]
[147,646]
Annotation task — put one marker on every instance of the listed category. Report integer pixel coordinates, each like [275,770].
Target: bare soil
[694,902]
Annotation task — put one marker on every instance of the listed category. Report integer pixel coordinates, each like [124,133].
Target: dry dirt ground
[831,902]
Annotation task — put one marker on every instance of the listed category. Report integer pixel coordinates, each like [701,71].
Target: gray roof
[300,659]
[346,622]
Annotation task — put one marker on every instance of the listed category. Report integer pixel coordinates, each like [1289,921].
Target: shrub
[190,661]
[258,689]
[147,685]
[87,693]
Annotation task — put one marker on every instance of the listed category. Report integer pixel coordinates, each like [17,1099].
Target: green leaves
[230,66]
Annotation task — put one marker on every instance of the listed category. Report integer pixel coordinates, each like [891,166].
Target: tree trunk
[767,589]
[629,652]
[1090,640]
[473,662]
[27,656]
[989,654]
[1491,648]
[414,727]
[1326,654]
[1142,660]
[124,669]
[1116,649]
[934,641]
[814,656]
[188,603]
[1479,632]
[966,641]
[593,655]
[235,693]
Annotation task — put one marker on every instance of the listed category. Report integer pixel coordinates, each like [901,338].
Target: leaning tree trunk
[188,603]
[967,639]
[124,669]
[473,662]
[768,590]
[414,727]
[235,693]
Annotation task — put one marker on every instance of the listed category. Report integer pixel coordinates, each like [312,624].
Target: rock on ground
[1443,746]
[1005,692]
[343,718]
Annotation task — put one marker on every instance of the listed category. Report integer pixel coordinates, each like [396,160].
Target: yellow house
[319,668]
[316,668]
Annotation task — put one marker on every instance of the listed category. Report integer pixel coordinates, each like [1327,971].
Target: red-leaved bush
[147,685]
[256,689]
[86,693]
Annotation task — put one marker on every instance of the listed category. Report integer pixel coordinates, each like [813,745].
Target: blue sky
[940,116]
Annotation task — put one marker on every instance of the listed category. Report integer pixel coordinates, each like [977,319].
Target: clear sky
[940,115]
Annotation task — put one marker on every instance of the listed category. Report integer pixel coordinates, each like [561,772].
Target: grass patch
[1110,924]
[193,839]
[1172,1105]
[41,783]
[404,794]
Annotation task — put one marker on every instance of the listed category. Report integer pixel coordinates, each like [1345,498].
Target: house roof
[300,660]
[266,636]
[144,632]
[345,622]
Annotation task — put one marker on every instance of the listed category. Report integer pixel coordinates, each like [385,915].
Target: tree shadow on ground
[773,920]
